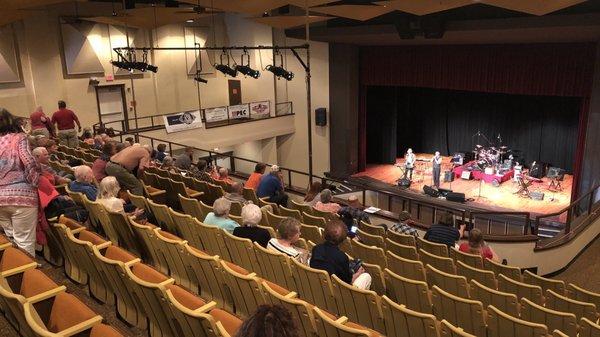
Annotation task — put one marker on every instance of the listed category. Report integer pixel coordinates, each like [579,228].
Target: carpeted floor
[585,269]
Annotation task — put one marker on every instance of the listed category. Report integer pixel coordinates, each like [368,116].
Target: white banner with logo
[215,114]
[183,121]
[260,109]
[239,111]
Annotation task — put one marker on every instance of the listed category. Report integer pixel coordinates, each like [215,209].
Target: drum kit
[491,159]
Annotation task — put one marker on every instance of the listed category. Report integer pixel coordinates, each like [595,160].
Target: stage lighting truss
[129,62]
[244,68]
[279,71]
[225,68]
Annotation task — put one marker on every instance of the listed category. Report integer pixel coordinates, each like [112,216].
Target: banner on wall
[239,111]
[215,114]
[260,109]
[183,121]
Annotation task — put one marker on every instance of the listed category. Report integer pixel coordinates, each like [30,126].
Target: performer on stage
[410,163]
[436,161]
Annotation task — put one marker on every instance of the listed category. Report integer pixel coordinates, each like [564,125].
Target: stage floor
[490,197]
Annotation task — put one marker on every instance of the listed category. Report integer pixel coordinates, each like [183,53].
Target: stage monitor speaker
[555,172]
[535,195]
[538,170]
[448,176]
[466,175]
[404,182]
[321,117]
[444,192]
[431,191]
[456,197]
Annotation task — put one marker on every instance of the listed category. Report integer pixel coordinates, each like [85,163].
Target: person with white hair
[219,217]
[288,234]
[251,215]
[42,156]
[40,123]
[271,187]
[326,204]
[108,196]
[224,175]
[84,178]
[236,194]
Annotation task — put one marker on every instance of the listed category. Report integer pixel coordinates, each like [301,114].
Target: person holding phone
[328,256]
[444,231]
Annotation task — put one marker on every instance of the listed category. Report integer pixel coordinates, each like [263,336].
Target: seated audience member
[251,215]
[83,183]
[224,175]
[184,160]
[269,321]
[403,226]
[87,137]
[108,196]
[54,205]
[98,142]
[42,157]
[168,164]
[129,140]
[326,205]
[445,232]
[314,193]
[236,193]
[352,214]
[219,217]
[160,152]
[289,233]
[51,147]
[254,178]
[19,177]
[125,164]
[476,245]
[105,137]
[121,146]
[99,165]
[328,256]
[200,170]
[271,187]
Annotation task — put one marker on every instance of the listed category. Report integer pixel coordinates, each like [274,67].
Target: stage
[480,194]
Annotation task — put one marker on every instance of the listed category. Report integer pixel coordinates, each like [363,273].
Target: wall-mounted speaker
[321,117]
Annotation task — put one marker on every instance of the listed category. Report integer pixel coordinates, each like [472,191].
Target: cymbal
[503,147]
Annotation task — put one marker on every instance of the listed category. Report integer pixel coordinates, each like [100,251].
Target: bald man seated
[125,164]
[84,182]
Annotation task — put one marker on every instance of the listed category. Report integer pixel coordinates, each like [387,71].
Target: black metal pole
[308,99]
[211,48]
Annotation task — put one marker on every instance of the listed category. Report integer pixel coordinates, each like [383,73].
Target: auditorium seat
[508,271]
[507,302]
[76,196]
[453,284]
[275,266]
[205,209]
[155,194]
[202,186]
[378,284]
[562,303]
[250,194]
[369,254]
[312,233]
[413,270]
[31,285]
[407,252]
[58,231]
[192,207]
[212,240]
[262,202]
[138,201]
[403,239]
[14,261]
[271,230]
[563,321]
[472,260]
[370,239]
[241,251]
[323,214]
[98,212]
[485,277]
[274,220]
[290,213]
[558,333]
[314,286]
[314,220]
[444,264]
[432,247]
[449,330]
[577,293]
[206,276]
[301,310]
[588,328]
[244,288]
[301,207]
[164,183]
[411,293]
[237,219]
[360,306]
[186,227]
[169,248]
[215,192]
[371,229]
[465,313]
[60,315]
[402,321]
[126,238]
[103,330]
[501,324]
[330,326]
[223,184]
[531,292]
[163,217]
[545,283]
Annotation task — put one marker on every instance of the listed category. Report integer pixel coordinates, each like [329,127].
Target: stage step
[548,232]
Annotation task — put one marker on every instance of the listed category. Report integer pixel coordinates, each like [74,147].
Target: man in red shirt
[39,123]
[65,120]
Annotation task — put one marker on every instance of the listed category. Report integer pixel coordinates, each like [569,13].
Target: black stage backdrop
[544,128]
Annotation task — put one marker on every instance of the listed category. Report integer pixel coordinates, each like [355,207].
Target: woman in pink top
[325,205]
[477,246]
[19,174]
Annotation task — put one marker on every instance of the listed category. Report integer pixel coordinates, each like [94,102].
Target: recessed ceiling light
[190,21]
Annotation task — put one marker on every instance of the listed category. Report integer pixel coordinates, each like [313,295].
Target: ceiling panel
[240,6]
[355,12]
[10,16]
[289,21]
[310,3]
[535,7]
[148,17]
[19,4]
[424,7]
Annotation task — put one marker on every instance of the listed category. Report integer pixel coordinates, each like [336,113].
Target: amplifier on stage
[466,175]
[448,176]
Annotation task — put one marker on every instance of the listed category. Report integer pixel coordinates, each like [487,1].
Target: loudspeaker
[466,175]
[430,191]
[537,195]
[321,117]
[448,176]
[404,182]
[457,197]
[555,172]
[538,170]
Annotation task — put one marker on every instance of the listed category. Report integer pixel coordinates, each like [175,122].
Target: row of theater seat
[36,306]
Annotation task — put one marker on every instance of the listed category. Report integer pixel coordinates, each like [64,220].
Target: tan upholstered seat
[432,247]
[125,233]
[312,233]
[402,321]
[192,207]
[507,302]
[369,254]
[250,194]
[291,213]
[244,287]
[13,261]
[444,264]
[462,312]
[360,306]
[301,207]
[372,229]
[163,217]
[328,325]
[403,239]
[454,284]
[275,266]
[314,286]
[242,252]
[508,271]
[407,252]
[300,310]
[313,220]
[563,321]
[186,227]
[501,324]
[449,330]
[534,293]
[413,294]
[583,295]
[171,248]
[274,220]
[557,286]
[472,260]
[212,240]
[562,303]
[588,328]
[370,239]
[413,270]
[485,277]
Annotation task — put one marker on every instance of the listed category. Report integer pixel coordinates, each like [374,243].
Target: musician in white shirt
[436,162]
[410,163]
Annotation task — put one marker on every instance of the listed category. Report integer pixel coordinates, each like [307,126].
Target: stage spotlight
[123,65]
[244,67]
[151,68]
[225,69]
[280,72]
[197,78]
